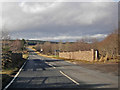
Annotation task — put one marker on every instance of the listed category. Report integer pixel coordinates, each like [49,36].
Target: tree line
[12,53]
[108,47]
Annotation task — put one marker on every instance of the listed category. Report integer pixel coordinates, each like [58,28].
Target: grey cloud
[33,20]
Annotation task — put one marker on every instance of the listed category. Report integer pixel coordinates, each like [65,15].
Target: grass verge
[77,61]
[8,74]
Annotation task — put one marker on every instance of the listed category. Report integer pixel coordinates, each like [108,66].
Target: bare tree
[37,47]
[109,46]
[47,48]
[60,45]
[5,35]
[16,46]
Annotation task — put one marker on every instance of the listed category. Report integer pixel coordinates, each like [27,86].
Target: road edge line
[69,78]
[15,76]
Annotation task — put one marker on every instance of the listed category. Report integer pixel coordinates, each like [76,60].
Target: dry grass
[9,71]
[77,61]
[25,56]
[8,74]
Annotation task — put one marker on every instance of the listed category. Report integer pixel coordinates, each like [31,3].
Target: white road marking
[51,65]
[15,76]
[47,63]
[69,78]
[68,61]
[74,63]
[54,67]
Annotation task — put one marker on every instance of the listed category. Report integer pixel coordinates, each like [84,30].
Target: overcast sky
[59,20]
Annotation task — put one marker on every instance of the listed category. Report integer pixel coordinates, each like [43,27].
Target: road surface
[42,72]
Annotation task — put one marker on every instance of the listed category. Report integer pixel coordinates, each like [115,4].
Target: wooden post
[96,55]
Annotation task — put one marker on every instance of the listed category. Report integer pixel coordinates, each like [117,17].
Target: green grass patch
[56,56]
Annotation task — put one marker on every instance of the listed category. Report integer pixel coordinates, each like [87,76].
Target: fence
[80,55]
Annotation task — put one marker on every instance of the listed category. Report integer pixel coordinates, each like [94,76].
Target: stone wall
[79,55]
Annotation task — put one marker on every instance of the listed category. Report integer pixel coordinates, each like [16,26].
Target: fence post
[96,55]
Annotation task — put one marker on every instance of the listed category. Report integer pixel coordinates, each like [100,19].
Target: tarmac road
[42,72]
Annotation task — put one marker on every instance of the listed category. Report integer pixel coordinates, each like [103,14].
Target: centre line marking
[51,65]
[54,67]
[69,78]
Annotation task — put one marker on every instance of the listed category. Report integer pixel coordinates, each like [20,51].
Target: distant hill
[34,42]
